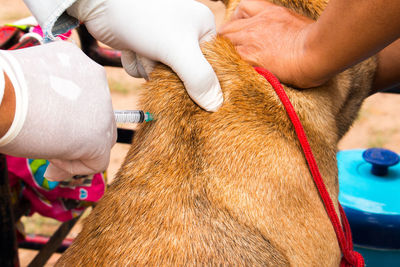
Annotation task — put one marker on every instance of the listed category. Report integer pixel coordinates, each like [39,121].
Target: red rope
[350,257]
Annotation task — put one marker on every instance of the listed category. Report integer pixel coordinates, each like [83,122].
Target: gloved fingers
[136,65]
[59,170]
[146,64]
[129,62]
[208,36]
[114,135]
[54,173]
[198,76]
[203,22]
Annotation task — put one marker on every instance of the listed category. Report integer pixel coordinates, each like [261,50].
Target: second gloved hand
[168,31]
[63,109]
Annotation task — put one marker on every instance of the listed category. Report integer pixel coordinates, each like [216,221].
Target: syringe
[132,116]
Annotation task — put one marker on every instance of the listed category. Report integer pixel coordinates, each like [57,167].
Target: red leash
[350,257]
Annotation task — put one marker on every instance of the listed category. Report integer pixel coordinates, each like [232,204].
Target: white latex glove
[63,109]
[168,31]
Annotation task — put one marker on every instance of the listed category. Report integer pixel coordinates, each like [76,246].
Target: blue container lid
[381,159]
[371,202]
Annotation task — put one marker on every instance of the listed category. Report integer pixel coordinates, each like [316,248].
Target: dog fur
[229,188]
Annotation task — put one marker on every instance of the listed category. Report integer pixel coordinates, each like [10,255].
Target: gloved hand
[168,31]
[63,109]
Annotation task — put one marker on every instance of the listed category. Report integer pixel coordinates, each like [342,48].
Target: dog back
[224,188]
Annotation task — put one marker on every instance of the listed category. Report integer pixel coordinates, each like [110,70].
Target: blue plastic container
[369,182]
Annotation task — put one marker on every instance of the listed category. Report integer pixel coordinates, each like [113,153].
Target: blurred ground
[378,124]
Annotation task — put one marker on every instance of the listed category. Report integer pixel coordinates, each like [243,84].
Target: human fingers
[59,170]
[249,54]
[236,30]
[129,62]
[197,74]
[251,8]
[135,65]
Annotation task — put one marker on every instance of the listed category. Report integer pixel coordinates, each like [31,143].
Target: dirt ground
[378,124]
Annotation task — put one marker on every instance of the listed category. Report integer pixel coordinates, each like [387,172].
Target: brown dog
[230,187]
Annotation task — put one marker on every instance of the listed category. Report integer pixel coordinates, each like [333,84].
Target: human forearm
[388,72]
[7,106]
[348,32]
[307,53]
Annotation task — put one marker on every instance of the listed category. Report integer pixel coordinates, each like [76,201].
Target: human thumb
[54,173]
[59,170]
[136,65]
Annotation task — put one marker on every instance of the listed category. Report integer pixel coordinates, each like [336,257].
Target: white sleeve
[52,17]
[2,84]
[10,66]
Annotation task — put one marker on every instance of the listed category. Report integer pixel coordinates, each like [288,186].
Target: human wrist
[15,99]
[2,85]
[7,106]
[315,66]
[387,74]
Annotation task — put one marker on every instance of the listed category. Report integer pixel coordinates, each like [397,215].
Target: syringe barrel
[129,116]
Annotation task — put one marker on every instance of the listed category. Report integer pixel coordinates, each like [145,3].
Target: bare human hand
[306,53]
[272,37]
